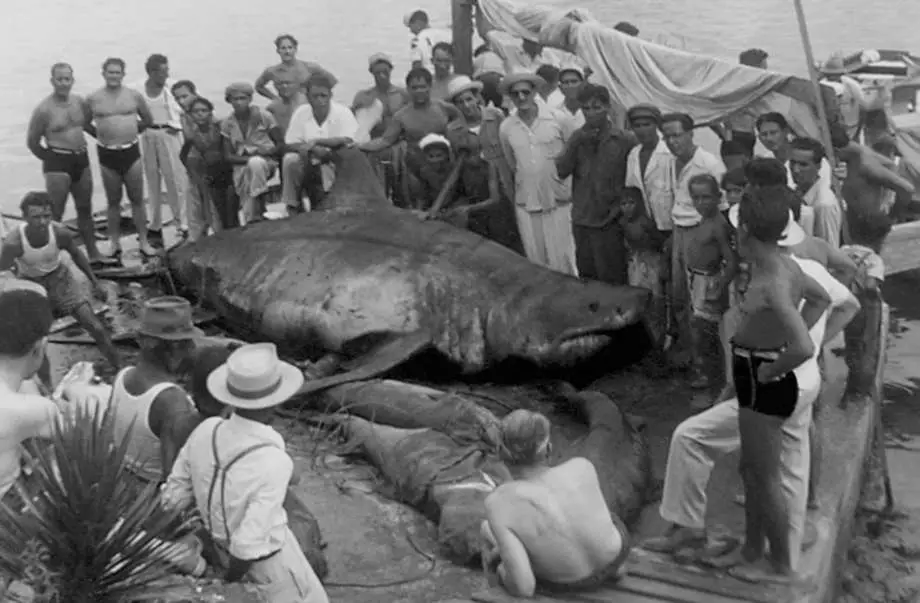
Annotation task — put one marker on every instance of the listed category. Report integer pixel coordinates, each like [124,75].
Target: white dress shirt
[655,184]
[339,123]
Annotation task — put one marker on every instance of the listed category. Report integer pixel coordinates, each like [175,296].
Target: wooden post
[462,25]
[816,86]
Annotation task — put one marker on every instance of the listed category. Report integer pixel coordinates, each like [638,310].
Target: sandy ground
[384,552]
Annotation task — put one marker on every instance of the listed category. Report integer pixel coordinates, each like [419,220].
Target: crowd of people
[742,254]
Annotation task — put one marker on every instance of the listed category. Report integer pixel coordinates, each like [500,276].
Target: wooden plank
[498,595]
[660,590]
[901,252]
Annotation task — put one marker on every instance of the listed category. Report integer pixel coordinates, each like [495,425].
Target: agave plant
[93,532]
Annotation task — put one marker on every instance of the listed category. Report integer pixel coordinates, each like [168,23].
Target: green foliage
[92,532]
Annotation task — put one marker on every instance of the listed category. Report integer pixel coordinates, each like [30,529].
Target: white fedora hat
[461,83]
[517,77]
[792,234]
[254,377]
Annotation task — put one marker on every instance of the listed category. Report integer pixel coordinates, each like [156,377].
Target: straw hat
[833,66]
[254,378]
[460,84]
[431,139]
[572,69]
[792,234]
[168,318]
[521,76]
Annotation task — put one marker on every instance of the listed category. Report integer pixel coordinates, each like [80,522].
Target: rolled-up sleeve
[252,539]
[347,124]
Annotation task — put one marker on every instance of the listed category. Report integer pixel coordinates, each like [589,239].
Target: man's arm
[143,111]
[231,157]
[723,236]
[507,150]
[515,572]
[839,317]
[816,301]
[172,418]
[11,251]
[66,242]
[177,493]
[840,265]
[565,163]
[387,139]
[249,542]
[88,118]
[799,347]
[261,85]
[36,131]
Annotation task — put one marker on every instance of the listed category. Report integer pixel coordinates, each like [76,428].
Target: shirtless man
[774,372]
[35,248]
[392,97]
[286,47]
[59,120]
[550,526]
[290,96]
[116,116]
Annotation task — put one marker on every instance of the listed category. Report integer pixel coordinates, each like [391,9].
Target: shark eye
[593,306]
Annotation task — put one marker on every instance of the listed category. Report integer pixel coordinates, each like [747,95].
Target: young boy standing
[711,266]
[645,261]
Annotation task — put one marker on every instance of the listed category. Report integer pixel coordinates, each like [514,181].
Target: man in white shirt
[422,39]
[316,129]
[701,440]
[25,319]
[805,160]
[650,164]
[776,136]
[688,161]
[236,473]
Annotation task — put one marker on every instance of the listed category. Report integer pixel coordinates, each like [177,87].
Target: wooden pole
[823,126]
[462,32]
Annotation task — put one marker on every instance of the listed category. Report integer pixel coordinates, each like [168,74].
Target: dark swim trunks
[606,575]
[72,163]
[119,160]
[775,399]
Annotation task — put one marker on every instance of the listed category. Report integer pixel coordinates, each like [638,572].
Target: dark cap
[644,110]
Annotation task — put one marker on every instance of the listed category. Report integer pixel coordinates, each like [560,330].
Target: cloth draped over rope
[639,71]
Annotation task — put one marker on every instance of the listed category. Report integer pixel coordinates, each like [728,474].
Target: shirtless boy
[59,120]
[774,371]
[35,248]
[290,65]
[711,266]
[550,526]
[116,117]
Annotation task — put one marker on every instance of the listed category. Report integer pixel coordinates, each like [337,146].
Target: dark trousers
[600,253]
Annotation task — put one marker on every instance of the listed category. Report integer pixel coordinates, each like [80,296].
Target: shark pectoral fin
[381,359]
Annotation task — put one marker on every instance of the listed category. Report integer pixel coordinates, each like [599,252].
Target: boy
[733,183]
[774,373]
[711,266]
[644,244]
[435,172]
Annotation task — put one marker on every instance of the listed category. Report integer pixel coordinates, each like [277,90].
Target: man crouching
[549,527]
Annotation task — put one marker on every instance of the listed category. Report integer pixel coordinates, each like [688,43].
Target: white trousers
[251,181]
[160,156]
[547,237]
[287,577]
[701,440]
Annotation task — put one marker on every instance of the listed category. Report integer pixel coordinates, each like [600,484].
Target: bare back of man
[561,520]
[118,115]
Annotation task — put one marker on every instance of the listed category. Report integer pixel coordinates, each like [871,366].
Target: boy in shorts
[711,266]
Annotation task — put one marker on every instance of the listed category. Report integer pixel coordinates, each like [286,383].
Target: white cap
[431,139]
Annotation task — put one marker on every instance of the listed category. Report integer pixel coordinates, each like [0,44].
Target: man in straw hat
[550,527]
[486,176]
[150,406]
[532,138]
[236,472]
[850,97]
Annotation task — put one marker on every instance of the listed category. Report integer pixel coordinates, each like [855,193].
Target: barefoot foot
[761,572]
[739,556]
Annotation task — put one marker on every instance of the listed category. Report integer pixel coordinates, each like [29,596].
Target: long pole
[462,25]
[823,125]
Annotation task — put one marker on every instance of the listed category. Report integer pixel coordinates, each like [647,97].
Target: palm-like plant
[93,533]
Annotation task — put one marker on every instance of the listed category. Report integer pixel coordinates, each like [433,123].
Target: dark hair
[445,46]
[753,57]
[185,84]
[319,80]
[114,61]
[734,177]
[706,180]
[57,66]
[766,171]
[764,212]
[206,361]
[549,73]
[287,37]
[773,118]
[810,144]
[34,199]
[592,92]
[627,28]
[839,136]
[154,62]
[418,15]
[418,73]
[200,100]
[25,317]
[491,91]
[733,147]
[683,119]
[869,228]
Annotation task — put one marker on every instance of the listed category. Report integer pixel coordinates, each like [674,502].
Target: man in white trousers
[161,143]
[701,440]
